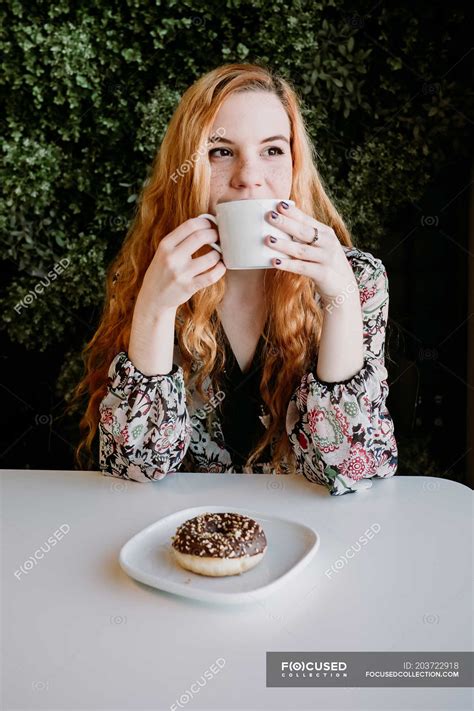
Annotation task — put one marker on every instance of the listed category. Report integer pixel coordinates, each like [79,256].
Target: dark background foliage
[88,92]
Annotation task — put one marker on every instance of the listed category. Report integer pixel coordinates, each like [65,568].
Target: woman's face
[245,165]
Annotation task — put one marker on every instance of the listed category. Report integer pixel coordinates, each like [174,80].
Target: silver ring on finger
[316,236]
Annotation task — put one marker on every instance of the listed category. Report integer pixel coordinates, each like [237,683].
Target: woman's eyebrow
[219,139]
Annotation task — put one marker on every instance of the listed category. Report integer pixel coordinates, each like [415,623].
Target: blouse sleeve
[342,432]
[144,426]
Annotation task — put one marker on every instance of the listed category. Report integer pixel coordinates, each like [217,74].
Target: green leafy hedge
[89,92]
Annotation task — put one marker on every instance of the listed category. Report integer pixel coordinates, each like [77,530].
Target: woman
[198,368]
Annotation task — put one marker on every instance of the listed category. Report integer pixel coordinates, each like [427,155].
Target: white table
[80,634]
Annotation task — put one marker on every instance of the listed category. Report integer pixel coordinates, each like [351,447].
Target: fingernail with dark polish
[274,214]
[284,204]
[273,239]
[277,261]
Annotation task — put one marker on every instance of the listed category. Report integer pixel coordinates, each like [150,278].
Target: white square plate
[147,557]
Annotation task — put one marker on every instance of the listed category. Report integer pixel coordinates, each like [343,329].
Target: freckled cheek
[280,177]
[218,184]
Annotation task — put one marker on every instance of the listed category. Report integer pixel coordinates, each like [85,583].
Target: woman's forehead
[259,114]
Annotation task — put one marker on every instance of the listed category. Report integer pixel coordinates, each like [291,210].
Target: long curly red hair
[294,317]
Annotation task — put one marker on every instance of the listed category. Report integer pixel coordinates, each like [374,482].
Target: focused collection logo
[314,668]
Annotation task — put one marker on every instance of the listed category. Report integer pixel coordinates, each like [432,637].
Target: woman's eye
[211,153]
[276,148]
[270,148]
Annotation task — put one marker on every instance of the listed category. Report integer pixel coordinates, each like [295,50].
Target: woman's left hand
[324,260]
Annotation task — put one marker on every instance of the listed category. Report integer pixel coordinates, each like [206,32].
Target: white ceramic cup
[242,227]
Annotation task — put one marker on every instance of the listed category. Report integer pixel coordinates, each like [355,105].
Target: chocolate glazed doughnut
[218,544]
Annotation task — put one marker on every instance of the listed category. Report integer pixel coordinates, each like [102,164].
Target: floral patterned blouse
[340,432]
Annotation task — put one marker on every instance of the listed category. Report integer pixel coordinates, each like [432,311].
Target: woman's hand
[174,275]
[324,260]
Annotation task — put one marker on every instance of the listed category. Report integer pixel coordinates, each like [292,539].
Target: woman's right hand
[173,276]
